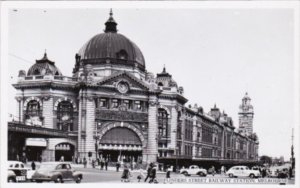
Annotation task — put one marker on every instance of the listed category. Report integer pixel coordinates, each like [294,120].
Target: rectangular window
[138,105]
[103,103]
[115,103]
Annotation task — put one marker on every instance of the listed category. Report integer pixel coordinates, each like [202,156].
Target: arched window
[36,72]
[122,54]
[162,123]
[65,116]
[198,136]
[160,84]
[33,108]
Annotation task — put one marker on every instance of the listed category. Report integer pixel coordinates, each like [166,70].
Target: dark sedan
[57,172]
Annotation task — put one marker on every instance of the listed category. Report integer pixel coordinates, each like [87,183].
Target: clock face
[122,87]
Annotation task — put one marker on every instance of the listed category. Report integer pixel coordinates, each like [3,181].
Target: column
[81,115]
[150,154]
[174,117]
[90,126]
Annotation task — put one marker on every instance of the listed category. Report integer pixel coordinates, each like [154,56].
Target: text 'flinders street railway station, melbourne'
[113,108]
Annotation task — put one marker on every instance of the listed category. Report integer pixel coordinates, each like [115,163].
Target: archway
[65,151]
[120,143]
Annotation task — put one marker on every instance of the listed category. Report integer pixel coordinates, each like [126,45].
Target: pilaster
[152,148]
[90,126]
[174,121]
[48,112]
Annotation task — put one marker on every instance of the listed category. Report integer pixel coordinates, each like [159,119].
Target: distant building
[113,108]
[246,116]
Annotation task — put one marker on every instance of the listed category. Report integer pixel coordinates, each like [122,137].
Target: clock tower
[246,116]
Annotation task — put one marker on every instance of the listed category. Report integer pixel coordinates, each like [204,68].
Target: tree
[265,160]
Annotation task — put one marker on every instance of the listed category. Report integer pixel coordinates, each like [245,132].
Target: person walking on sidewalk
[148,171]
[106,163]
[153,175]
[125,174]
[140,175]
[117,166]
[168,174]
[84,162]
[101,163]
[33,165]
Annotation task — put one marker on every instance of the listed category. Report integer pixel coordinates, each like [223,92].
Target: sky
[215,54]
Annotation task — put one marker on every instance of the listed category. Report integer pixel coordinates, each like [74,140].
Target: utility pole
[292,151]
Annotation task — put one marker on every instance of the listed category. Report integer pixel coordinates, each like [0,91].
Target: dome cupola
[43,67]
[113,48]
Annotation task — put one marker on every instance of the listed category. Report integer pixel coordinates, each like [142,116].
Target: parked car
[278,172]
[194,170]
[11,176]
[21,172]
[57,172]
[242,171]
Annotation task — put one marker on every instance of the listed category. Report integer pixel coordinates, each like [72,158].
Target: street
[95,175]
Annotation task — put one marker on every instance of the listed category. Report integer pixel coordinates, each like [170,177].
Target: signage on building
[40,142]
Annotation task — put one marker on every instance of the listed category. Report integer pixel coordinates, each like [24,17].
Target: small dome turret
[42,67]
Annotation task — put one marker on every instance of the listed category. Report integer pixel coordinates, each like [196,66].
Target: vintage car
[194,170]
[242,171]
[11,176]
[21,172]
[57,172]
[278,172]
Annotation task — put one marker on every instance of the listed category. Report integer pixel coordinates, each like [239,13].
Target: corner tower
[246,116]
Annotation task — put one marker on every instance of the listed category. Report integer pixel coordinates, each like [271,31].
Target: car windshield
[47,167]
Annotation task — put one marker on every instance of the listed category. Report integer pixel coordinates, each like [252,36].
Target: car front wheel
[78,179]
[231,175]
[252,176]
[185,173]
[10,180]
[58,180]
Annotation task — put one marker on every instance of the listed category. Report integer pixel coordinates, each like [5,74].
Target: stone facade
[113,108]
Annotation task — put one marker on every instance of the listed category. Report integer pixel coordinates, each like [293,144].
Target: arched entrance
[120,143]
[65,151]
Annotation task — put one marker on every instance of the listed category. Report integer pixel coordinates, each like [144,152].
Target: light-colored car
[194,170]
[11,176]
[21,171]
[57,172]
[242,171]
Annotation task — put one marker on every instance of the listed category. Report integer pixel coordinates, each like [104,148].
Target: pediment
[121,79]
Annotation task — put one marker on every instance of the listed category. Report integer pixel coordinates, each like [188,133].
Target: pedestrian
[117,166]
[222,170]
[264,172]
[102,163]
[125,174]
[131,165]
[84,162]
[106,163]
[168,174]
[148,171]
[18,158]
[93,163]
[62,159]
[140,175]
[213,170]
[153,175]
[33,165]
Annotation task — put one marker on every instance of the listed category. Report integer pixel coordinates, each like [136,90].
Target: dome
[43,67]
[113,45]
